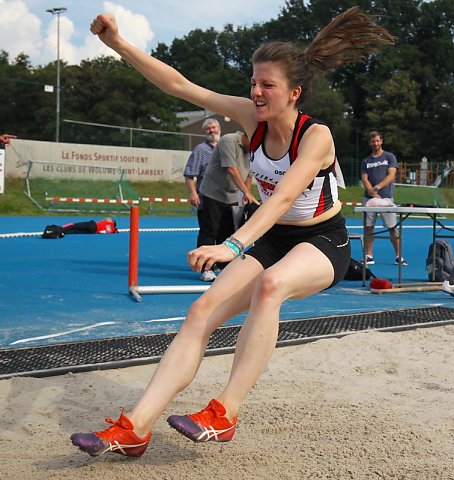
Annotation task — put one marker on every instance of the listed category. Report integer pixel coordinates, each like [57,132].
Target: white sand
[367,406]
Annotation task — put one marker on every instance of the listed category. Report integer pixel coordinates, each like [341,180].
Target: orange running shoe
[208,425]
[119,438]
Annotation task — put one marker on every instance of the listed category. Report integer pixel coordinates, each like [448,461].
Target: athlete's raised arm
[170,80]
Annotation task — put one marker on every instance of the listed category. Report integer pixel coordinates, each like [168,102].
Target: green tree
[394,112]
[199,57]
[435,72]
[237,46]
[109,91]
[22,99]
[329,105]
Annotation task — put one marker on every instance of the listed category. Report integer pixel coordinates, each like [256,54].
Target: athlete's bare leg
[229,295]
[302,272]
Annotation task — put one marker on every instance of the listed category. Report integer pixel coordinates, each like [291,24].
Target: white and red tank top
[318,197]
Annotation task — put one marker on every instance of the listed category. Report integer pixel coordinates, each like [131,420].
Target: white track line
[121,230]
[92,327]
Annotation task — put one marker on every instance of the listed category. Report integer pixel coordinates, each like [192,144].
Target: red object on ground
[380,284]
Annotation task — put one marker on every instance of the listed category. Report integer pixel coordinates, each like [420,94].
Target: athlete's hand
[204,257]
[106,28]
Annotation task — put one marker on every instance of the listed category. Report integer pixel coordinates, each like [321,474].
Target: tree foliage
[406,91]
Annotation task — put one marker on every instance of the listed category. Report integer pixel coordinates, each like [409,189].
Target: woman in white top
[301,244]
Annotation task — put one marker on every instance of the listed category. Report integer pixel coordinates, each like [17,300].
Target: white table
[403,213]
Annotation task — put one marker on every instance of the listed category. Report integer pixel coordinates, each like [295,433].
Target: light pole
[57,11]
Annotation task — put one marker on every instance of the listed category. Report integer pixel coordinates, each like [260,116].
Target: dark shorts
[330,237]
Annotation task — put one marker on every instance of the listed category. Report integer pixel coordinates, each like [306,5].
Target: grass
[14,202]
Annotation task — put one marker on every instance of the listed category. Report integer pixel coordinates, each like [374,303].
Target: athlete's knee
[268,285]
[197,311]
[198,314]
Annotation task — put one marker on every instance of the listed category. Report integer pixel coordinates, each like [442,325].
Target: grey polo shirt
[217,183]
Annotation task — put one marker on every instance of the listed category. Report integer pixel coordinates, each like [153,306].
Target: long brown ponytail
[348,38]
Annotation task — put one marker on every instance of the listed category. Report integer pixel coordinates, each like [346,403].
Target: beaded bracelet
[235,246]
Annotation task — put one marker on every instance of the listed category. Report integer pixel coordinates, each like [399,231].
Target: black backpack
[444,261]
[355,271]
[53,231]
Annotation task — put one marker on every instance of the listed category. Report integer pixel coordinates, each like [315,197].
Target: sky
[26,27]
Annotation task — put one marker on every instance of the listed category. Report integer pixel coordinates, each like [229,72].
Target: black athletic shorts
[330,237]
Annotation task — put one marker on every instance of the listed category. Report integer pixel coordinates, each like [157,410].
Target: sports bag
[53,231]
[444,261]
[355,271]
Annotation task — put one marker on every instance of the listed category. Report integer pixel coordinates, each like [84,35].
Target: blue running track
[76,288]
